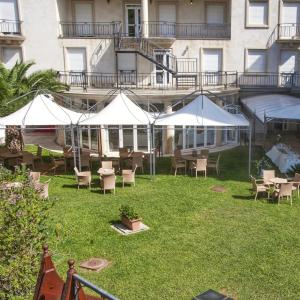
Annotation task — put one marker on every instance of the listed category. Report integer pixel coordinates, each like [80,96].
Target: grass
[198,239]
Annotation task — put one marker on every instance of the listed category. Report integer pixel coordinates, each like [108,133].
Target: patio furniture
[296,182]
[123,152]
[107,164]
[258,186]
[199,166]
[103,171]
[85,160]
[28,159]
[285,190]
[138,162]
[128,176]
[57,163]
[108,182]
[42,189]
[83,178]
[177,164]
[214,164]
[34,176]
[38,156]
[177,154]
[267,176]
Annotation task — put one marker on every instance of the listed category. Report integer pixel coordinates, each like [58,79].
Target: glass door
[133,20]
[162,76]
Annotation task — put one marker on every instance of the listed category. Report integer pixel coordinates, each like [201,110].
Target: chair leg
[123,183]
[255,196]
[196,173]
[175,172]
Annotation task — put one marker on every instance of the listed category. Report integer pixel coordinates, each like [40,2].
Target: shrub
[23,216]
[128,212]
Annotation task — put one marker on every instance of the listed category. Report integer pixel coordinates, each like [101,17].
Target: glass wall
[128,137]
[142,138]
[200,136]
[210,136]
[113,138]
[189,137]
[85,137]
[178,137]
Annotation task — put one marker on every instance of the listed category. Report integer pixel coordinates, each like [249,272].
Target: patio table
[278,180]
[105,172]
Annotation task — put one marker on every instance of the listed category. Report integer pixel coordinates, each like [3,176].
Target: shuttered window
[126,62]
[215,14]
[9,10]
[11,56]
[256,61]
[212,60]
[288,61]
[76,59]
[258,13]
[291,12]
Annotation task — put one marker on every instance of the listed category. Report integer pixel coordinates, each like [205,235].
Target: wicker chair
[85,160]
[83,178]
[199,166]
[258,186]
[138,162]
[177,164]
[42,189]
[128,176]
[267,176]
[57,163]
[28,160]
[214,164]
[296,183]
[285,190]
[34,177]
[108,182]
[107,164]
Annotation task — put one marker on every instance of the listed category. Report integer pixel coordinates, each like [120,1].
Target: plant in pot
[130,218]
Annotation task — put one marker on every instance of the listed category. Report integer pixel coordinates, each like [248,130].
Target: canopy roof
[202,112]
[41,111]
[274,106]
[120,111]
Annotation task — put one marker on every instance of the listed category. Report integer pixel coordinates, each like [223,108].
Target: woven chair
[28,160]
[296,183]
[138,162]
[83,178]
[57,163]
[258,187]
[42,189]
[128,176]
[285,190]
[267,176]
[177,154]
[177,164]
[214,164]
[85,160]
[199,166]
[34,176]
[107,164]
[108,182]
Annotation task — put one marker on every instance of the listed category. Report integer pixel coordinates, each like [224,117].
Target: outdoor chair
[267,176]
[42,189]
[34,177]
[28,159]
[258,187]
[204,153]
[214,164]
[199,166]
[138,162]
[285,190]
[38,156]
[177,164]
[107,164]
[57,163]
[83,178]
[123,152]
[108,182]
[177,154]
[85,160]
[128,176]
[296,182]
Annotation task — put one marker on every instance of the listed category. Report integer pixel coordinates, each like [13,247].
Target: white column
[145,17]
[168,133]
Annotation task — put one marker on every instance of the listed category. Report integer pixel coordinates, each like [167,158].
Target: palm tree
[17,87]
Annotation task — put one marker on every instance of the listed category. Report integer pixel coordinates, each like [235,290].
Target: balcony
[89,30]
[10,30]
[203,31]
[289,32]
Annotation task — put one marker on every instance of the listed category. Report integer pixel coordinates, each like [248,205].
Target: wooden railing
[10,27]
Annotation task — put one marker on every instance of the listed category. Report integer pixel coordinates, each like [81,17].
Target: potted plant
[130,218]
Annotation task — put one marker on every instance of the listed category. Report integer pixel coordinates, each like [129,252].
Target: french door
[162,76]
[133,20]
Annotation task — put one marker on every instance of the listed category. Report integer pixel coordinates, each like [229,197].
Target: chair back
[76,171]
[201,164]
[204,153]
[286,189]
[177,153]
[268,174]
[85,159]
[137,161]
[253,181]
[34,176]
[123,152]
[109,182]
[28,158]
[297,177]
[107,164]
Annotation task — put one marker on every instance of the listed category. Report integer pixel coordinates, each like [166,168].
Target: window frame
[246,67]
[247,15]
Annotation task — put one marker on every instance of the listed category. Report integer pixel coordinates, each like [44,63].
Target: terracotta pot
[131,224]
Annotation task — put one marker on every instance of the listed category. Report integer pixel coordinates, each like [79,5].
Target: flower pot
[131,224]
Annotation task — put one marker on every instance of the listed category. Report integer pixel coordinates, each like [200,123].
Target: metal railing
[289,31]
[187,30]
[10,27]
[85,283]
[86,29]
[165,80]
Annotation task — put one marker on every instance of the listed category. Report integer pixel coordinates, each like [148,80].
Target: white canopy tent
[120,111]
[202,112]
[41,111]
[274,106]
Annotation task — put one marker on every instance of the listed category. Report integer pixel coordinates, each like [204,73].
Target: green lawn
[198,239]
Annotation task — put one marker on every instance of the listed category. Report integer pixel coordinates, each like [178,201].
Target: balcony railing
[289,31]
[10,27]
[187,30]
[165,81]
[79,30]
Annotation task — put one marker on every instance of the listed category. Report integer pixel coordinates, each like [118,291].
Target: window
[9,17]
[89,105]
[142,138]
[200,136]
[11,56]
[178,138]
[76,59]
[215,14]
[256,61]
[212,60]
[128,137]
[257,13]
[210,139]
[113,138]
[189,137]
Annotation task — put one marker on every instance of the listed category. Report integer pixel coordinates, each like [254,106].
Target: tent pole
[73,146]
[250,150]
[78,147]
[150,148]
[154,150]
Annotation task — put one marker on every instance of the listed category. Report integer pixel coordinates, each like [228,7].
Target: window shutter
[215,14]
[77,59]
[290,12]
[256,61]
[258,13]
[212,60]
[287,61]
[83,12]
[126,62]
[8,10]
[11,56]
